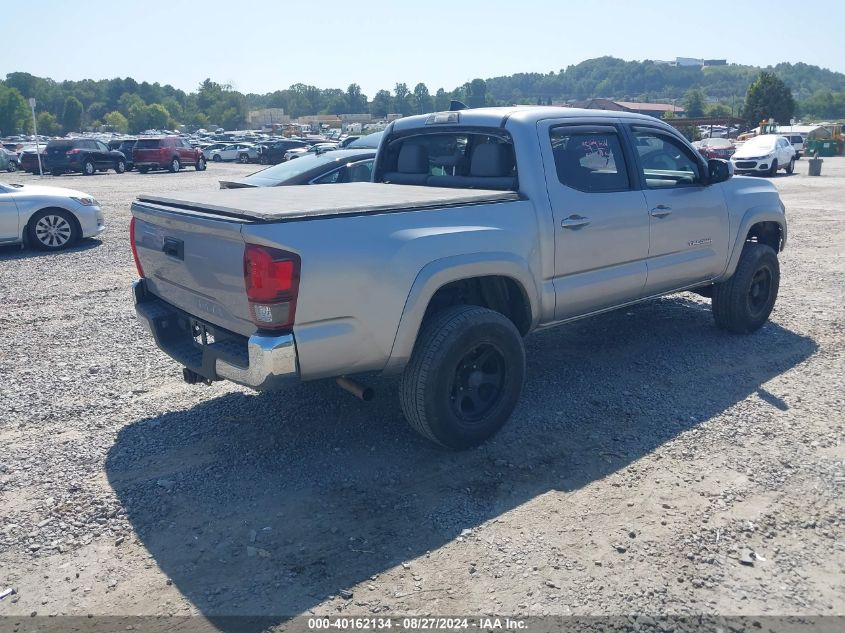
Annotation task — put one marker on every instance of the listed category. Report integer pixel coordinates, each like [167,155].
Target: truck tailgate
[194,263]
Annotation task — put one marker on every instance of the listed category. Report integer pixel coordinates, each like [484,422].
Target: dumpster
[822,147]
[815,167]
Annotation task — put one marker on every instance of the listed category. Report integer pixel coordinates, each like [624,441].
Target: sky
[261,46]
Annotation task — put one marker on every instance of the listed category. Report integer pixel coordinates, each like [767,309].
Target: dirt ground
[654,466]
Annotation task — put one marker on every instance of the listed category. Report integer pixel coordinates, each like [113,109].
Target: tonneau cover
[275,204]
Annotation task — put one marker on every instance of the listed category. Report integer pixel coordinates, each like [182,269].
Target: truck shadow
[266,505]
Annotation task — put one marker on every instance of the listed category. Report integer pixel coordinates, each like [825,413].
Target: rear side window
[590,161]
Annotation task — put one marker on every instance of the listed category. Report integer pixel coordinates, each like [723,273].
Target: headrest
[413,159]
[492,160]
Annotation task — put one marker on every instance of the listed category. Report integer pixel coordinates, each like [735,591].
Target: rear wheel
[52,230]
[217,158]
[790,168]
[743,303]
[12,166]
[464,377]
[175,165]
[55,172]
[244,158]
[88,168]
[143,170]
[264,159]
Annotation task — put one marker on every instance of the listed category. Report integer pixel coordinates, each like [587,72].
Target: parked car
[314,169]
[9,161]
[166,152]
[206,151]
[273,152]
[29,160]
[716,148]
[316,148]
[84,155]
[519,218]
[127,146]
[48,218]
[366,141]
[241,152]
[764,154]
[347,140]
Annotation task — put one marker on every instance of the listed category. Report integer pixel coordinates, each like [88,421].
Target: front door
[689,225]
[9,229]
[600,218]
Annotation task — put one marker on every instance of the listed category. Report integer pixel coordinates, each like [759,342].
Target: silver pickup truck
[479,227]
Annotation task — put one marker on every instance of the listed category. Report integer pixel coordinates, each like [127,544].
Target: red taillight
[73,151]
[271,277]
[134,247]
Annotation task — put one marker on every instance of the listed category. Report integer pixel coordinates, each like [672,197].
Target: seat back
[412,166]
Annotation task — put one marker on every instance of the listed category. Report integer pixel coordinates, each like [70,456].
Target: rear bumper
[261,362]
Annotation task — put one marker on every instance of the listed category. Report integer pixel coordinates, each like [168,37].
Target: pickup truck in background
[480,226]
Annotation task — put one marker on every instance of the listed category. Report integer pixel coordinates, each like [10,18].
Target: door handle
[660,211]
[575,222]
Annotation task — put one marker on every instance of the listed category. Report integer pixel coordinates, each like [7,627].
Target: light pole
[35,131]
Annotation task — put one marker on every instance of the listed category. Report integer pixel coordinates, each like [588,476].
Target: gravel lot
[655,465]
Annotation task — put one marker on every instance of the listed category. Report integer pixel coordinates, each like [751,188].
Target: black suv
[273,152]
[126,147]
[85,155]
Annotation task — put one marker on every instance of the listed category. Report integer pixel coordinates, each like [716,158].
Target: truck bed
[281,204]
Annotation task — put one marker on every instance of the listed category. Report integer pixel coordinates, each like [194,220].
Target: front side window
[665,161]
[102,147]
[590,161]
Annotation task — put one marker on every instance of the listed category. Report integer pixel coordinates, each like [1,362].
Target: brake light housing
[134,246]
[271,278]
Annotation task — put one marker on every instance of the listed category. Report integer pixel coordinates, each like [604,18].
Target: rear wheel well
[502,294]
[768,233]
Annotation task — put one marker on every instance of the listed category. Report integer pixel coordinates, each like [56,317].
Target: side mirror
[719,170]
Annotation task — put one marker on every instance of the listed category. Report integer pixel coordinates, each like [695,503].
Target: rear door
[600,218]
[688,219]
[194,263]
[102,156]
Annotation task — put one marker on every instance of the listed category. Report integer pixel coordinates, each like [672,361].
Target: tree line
[126,105]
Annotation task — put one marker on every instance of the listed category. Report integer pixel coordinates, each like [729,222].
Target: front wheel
[790,168]
[12,166]
[143,170]
[200,164]
[119,167]
[773,171]
[743,303]
[464,377]
[175,165]
[52,230]
[88,168]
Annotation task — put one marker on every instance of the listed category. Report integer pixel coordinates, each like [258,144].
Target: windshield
[145,143]
[291,168]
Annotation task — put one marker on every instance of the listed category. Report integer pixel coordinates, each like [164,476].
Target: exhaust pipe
[362,392]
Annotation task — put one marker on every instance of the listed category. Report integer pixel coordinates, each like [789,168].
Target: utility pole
[35,131]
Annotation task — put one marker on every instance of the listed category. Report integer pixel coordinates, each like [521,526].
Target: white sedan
[48,218]
[764,154]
